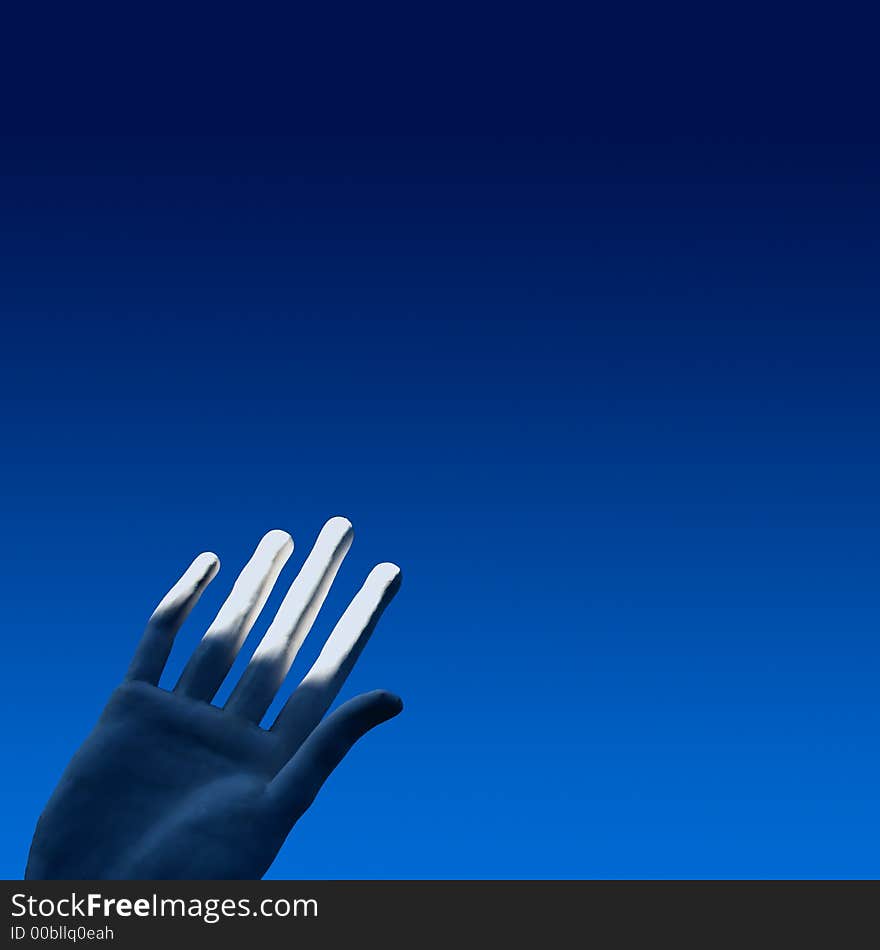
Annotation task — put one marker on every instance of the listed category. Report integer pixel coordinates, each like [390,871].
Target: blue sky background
[602,378]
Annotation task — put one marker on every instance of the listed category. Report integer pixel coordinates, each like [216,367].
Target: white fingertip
[253,586]
[336,527]
[350,635]
[301,603]
[155,644]
[195,578]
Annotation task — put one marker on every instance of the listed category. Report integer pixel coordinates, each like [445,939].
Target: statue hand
[168,785]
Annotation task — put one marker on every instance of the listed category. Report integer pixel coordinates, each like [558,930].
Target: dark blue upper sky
[603,381]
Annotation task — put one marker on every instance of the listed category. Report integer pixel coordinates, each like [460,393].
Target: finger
[272,659]
[216,652]
[152,652]
[314,695]
[294,788]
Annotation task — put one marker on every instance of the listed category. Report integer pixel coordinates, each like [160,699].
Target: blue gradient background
[609,397]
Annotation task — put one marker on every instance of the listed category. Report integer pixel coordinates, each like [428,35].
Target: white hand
[168,785]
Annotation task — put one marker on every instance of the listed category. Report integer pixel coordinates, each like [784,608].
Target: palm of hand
[168,785]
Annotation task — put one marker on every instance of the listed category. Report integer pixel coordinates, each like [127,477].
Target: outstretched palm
[168,785]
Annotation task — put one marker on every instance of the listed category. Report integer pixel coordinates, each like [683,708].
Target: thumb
[294,788]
